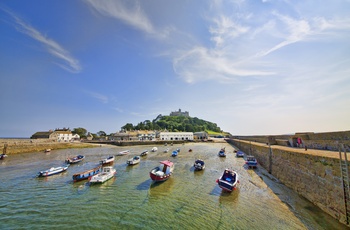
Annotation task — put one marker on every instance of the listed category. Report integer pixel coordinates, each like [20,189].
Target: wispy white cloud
[133,16]
[68,62]
[100,97]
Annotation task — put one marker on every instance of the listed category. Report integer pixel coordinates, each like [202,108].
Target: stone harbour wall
[317,178]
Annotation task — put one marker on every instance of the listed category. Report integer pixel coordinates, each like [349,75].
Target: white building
[175,136]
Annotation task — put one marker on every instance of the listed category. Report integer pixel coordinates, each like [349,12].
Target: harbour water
[188,200]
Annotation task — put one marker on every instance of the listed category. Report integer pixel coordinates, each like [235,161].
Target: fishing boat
[125,152]
[228,180]
[222,152]
[107,161]
[87,174]
[166,150]
[174,153]
[74,160]
[53,171]
[154,149]
[199,165]
[251,162]
[239,153]
[133,161]
[163,171]
[101,177]
[144,153]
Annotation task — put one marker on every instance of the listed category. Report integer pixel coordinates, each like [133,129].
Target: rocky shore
[16,146]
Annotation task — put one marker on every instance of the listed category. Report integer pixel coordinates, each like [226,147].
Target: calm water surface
[188,200]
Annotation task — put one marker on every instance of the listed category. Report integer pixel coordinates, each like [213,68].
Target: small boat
[86,174]
[107,161]
[228,180]
[125,152]
[199,165]
[2,156]
[106,174]
[166,150]
[239,153]
[222,152]
[144,153]
[251,162]
[53,171]
[154,149]
[162,172]
[47,150]
[133,161]
[178,150]
[174,153]
[190,150]
[74,160]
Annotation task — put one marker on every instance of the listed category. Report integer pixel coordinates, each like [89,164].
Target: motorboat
[144,153]
[107,173]
[166,150]
[174,153]
[163,171]
[239,153]
[107,161]
[74,160]
[251,162]
[133,161]
[154,149]
[199,165]
[87,174]
[222,153]
[52,171]
[228,180]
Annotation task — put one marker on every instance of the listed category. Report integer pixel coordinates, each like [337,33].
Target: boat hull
[157,178]
[86,174]
[52,172]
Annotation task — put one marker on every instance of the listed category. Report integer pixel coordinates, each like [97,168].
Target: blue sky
[252,67]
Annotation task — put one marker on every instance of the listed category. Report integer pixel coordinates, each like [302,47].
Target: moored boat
[101,177]
[87,174]
[174,153]
[144,153]
[107,161]
[228,181]
[199,165]
[133,161]
[2,156]
[47,150]
[52,171]
[251,162]
[74,160]
[125,152]
[163,171]
[166,150]
[222,152]
[239,153]
[154,149]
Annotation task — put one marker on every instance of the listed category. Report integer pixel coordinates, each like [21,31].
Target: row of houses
[59,135]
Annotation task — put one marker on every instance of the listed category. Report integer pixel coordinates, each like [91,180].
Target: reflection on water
[187,200]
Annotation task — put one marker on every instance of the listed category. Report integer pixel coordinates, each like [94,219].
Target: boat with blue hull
[75,160]
[86,174]
[174,153]
[222,152]
[239,153]
[251,162]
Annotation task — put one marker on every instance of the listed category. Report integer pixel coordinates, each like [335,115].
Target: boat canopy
[167,163]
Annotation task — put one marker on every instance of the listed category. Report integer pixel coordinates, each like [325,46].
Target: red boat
[163,171]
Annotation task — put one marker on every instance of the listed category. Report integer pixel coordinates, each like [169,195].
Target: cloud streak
[68,62]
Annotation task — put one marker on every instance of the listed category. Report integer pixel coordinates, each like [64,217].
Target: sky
[252,67]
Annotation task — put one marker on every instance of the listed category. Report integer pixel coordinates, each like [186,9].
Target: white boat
[106,174]
[166,150]
[228,181]
[108,160]
[163,171]
[144,153]
[53,171]
[154,149]
[125,152]
[133,161]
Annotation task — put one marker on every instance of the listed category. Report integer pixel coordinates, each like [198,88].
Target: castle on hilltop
[180,113]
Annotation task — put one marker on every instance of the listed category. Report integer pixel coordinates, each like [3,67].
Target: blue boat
[87,174]
[228,181]
[174,154]
[239,153]
[251,162]
[222,152]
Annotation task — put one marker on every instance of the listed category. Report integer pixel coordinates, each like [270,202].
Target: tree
[128,127]
[80,131]
[101,134]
